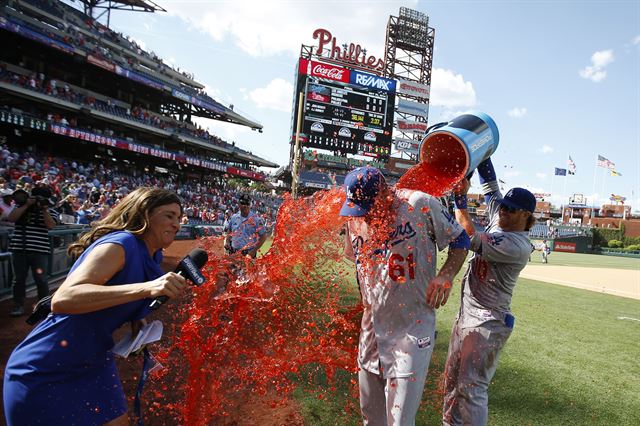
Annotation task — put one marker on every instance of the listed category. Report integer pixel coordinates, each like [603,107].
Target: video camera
[41,194]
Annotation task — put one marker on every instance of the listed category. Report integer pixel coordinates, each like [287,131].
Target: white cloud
[450,90]
[227,131]
[596,71]
[512,173]
[541,175]
[546,149]
[636,40]
[449,114]
[277,95]
[517,112]
[265,28]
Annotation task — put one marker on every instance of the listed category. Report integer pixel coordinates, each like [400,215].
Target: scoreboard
[346,111]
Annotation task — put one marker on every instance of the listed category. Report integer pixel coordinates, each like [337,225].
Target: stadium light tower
[409,57]
[91,7]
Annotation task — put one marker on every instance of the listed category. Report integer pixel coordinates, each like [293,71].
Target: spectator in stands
[67,209]
[6,204]
[245,230]
[29,245]
[86,213]
[64,372]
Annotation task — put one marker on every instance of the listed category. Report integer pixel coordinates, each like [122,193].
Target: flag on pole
[572,166]
[614,173]
[561,172]
[603,162]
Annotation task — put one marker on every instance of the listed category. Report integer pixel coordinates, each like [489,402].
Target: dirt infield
[618,282]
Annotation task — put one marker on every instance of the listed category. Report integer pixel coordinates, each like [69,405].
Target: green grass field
[587,260]
[570,361]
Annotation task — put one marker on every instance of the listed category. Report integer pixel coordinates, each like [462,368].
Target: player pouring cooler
[485,322]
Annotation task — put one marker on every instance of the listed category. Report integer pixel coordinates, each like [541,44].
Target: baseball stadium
[159,267]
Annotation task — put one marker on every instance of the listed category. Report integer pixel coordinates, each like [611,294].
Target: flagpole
[553,178]
[595,173]
[564,189]
[604,178]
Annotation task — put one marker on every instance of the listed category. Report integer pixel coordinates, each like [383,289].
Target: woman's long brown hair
[130,214]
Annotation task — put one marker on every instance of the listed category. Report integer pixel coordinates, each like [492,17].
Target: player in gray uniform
[394,236]
[485,321]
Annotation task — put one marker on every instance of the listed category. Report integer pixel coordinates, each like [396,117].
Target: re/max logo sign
[375,82]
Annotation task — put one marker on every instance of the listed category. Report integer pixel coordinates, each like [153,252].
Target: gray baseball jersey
[397,325]
[494,269]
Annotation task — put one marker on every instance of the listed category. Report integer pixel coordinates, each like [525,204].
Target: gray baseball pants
[390,402]
[471,364]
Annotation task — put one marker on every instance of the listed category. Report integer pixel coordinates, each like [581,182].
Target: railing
[58,264]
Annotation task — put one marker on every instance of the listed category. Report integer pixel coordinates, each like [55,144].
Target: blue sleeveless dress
[64,372]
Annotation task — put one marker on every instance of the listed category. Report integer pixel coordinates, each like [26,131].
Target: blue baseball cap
[361,185]
[519,198]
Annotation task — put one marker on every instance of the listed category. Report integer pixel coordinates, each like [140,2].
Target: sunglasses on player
[508,209]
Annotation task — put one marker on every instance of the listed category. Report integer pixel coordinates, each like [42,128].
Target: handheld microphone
[189,267]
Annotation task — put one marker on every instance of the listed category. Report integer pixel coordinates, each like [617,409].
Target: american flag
[603,162]
[572,166]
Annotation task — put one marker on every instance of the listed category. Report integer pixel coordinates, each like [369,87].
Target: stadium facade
[72,86]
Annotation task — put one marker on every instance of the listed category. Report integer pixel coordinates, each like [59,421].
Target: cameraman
[29,244]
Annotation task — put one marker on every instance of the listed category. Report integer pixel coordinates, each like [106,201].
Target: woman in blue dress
[64,372]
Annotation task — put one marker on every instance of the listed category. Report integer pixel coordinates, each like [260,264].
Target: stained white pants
[390,402]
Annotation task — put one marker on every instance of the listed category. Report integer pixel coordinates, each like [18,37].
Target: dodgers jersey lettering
[498,259]
[397,324]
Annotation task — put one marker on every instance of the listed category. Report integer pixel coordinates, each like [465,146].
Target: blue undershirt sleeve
[488,179]
[462,241]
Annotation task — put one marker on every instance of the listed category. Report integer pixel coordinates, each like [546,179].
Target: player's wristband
[461,202]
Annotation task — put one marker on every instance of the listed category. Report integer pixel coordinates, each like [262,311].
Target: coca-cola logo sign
[329,72]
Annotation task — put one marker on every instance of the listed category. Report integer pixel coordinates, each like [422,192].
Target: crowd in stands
[40,83]
[541,230]
[73,27]
[84,191]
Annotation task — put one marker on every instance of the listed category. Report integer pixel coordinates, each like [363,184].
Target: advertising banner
[412,88]
[399,165]
[409,126]
[34,35]
[411,107]
[245,173]
[322,70]
[195,101]
[102,63]
[407,145]
[138,77]
[372,81]
[564,246]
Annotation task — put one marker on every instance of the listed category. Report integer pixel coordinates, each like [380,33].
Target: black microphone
[189,267]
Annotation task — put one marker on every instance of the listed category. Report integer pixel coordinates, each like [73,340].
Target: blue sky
[559,77]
